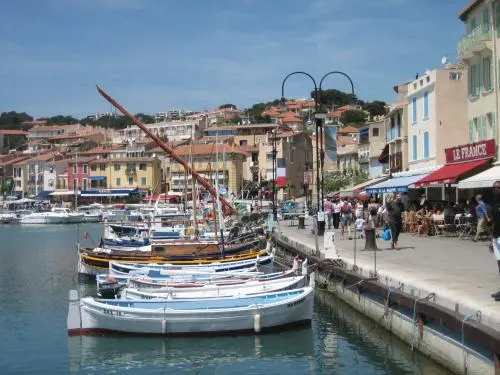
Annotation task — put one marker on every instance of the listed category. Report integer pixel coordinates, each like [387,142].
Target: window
[116,167]
[414,109]
[428,79]
[475,129]
[487,73]
[102,167]
[85,186]
[472,24]
[118,182]
[130,181]
[375,132]
[143,181]
[455,76]
[497,17]
[85,168]
[75,184]
[415,147]
[486,17]
[243,142]
[426,145]
[142,166]
[93,167]
[426,105]
[74,169]
[131,166]
[484,129]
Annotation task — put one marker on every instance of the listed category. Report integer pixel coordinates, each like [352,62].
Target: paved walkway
[458,271]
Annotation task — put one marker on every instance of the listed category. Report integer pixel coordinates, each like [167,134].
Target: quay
[433,293]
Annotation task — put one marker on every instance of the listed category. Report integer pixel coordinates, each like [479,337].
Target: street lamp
[320,153]
[274,185]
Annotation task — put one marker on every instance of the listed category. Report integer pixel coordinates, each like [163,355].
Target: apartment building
[478,51]
[437,115]
[371,144]
[397,131]
[243,135]
[144,174]
[171,130]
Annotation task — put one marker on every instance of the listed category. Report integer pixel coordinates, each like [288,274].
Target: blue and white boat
[256,313]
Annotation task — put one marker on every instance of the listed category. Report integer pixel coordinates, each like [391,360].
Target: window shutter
[471,132]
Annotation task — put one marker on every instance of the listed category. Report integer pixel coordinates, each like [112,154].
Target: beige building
[371,144]
[437,115]
[478,51]
[397,131]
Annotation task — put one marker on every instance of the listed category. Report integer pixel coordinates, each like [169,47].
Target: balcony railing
[474,41]
[130,171]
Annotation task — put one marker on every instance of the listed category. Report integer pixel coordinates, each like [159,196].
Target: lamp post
[274,185]
[320,153]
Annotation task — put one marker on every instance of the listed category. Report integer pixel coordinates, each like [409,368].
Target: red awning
[450,173]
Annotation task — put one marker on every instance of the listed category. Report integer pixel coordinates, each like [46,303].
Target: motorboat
[91,213]
[58,215]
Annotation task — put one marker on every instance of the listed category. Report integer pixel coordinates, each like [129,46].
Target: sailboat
[182,251]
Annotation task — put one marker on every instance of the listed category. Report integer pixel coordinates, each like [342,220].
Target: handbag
[386,234]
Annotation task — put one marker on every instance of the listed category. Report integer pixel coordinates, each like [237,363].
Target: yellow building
[126,173]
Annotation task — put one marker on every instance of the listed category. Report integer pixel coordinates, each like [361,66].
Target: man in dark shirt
[495,221]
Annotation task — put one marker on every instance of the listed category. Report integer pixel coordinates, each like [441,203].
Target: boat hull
[188,317]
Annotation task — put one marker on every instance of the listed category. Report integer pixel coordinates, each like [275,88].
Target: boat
[91,213]
[9,218]
[116,268]
[57,215]
[215,290]
[256,313]
[94,261]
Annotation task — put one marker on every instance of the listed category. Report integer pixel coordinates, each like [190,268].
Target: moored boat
[254,313]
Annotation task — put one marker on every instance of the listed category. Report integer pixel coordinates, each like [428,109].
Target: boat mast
[193,189]
[77,181]
[227,209]
[219,213]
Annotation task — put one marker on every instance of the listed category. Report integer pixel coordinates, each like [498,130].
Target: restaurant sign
[471,151]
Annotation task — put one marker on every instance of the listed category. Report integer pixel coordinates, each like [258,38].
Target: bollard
[302,222]
[370,240]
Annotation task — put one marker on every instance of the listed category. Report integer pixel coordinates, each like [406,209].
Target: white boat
[58,215]
[9,218]
[260,312]
[91,213]
[117,268]
[216,290]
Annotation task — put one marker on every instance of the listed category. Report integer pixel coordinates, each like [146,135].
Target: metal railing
[473,40]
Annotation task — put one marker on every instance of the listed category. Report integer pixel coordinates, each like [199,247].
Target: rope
[413,333]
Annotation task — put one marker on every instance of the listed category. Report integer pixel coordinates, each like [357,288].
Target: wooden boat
[117,268]
[255,313]
[96,261]
[215,290]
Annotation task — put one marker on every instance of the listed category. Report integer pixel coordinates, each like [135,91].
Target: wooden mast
[227,209]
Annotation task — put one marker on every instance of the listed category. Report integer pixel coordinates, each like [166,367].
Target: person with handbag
[394,219]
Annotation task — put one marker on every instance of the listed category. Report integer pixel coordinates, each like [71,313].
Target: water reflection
[221,355]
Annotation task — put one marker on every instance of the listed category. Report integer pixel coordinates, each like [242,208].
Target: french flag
[281,173]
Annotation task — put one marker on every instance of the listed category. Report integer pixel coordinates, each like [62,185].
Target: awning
[450,173]
[109,192]
[63,192]
[97,178]
[484,179]
[398,184]
[43,194]
[360,187]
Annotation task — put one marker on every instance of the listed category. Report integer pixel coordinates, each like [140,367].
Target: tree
[255,113]
[147,119]
[335,98]
[376,108]
[13,120]
[60,120]
[336,181]
[353,116]
[225,106]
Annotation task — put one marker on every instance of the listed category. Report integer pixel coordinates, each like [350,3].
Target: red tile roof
[207,149]
[12,132]
[348,129]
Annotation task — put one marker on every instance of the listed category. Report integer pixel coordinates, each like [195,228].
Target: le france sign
[471,151]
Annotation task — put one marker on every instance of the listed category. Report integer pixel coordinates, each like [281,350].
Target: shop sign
[471,151]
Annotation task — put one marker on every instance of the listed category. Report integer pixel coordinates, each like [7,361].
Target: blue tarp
[97,178]
[395,185]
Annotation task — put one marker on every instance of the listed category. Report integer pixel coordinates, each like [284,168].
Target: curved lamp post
[320,153]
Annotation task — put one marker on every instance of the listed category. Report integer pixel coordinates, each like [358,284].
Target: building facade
[478,51]
[397,131]
[371,144]
[437,115]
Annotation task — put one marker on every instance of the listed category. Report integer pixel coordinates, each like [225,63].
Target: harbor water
[38,267]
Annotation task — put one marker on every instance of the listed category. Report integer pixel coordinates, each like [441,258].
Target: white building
[437,115]
[172,130]
[478,51]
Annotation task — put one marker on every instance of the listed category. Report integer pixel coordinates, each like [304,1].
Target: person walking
[337,205]
[329,211]
[345,218]
[482,217]
[394,219]
[495,221]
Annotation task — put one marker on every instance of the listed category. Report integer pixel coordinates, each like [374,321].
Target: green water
[38,267]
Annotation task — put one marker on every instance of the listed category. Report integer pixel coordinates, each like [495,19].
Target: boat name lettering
[292,304]
[111,312]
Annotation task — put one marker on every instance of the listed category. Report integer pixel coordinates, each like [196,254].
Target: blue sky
[154,55]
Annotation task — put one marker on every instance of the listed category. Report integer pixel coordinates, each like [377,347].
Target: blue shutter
[414,108]
[486,17]
[414,147]
[479,77]
[426,145]
[426,104]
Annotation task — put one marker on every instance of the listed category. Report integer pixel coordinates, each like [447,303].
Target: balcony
[130,171]
[474,42]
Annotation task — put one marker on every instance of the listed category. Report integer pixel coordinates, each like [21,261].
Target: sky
[156,55]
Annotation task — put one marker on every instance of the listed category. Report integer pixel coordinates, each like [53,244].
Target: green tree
[13,120]
[353,116]
[60,120]
[228,105]
[147,119]
[333,98]
[375,108]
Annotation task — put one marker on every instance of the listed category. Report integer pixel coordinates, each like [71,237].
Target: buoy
[256,323]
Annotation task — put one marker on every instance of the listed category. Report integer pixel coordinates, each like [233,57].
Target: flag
[281,173]
[331,142]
